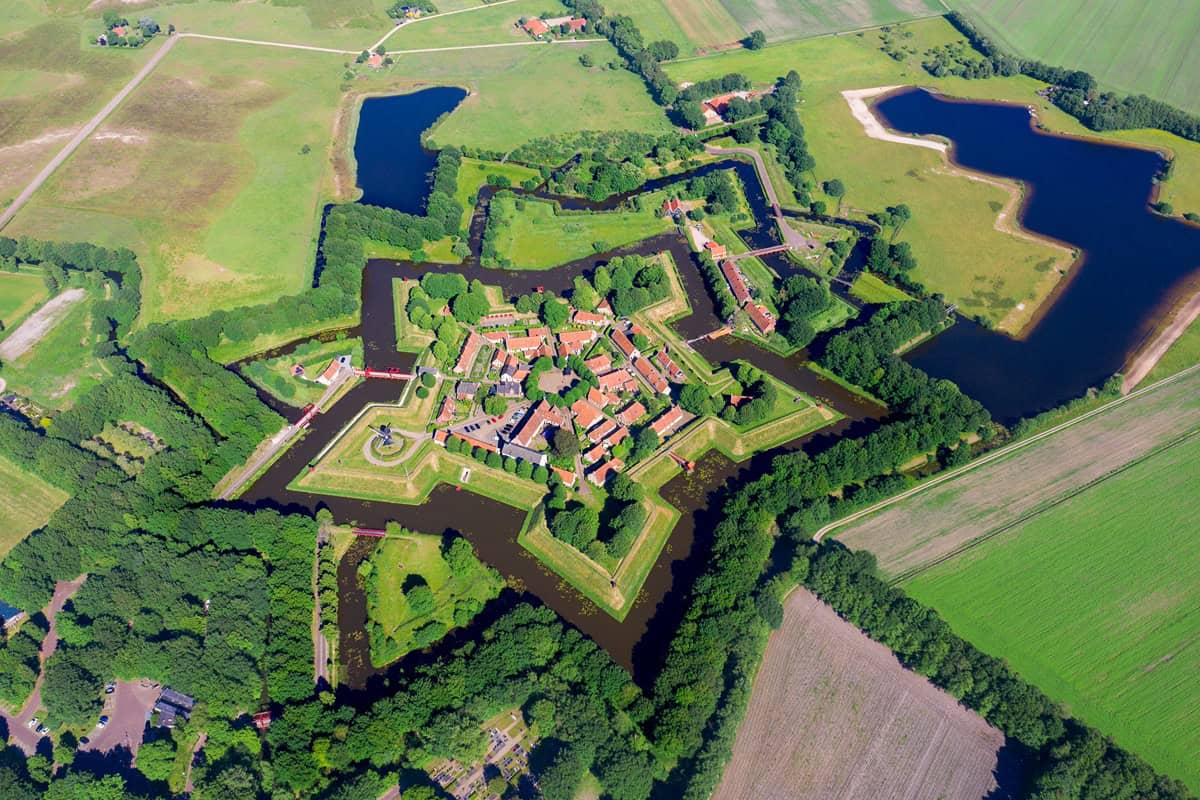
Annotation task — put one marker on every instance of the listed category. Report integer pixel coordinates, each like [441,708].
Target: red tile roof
[589,318]
[615,381]
[716,250]
[495,337]
[577,338]
[602,473]
[631,413]
[672,369]
[623,344]
[616,437]
[541,416]
[595,454]
[598,398]
[652,376]
[586,414]
[601,431]
[536,27]
[471,440]
[541,331]
[737,284]
[599,364]
[523,344]
[577,24]
[568,477]
[469,351]
[672,206]
[447,412]
[440,437]
[670,419]
[605,307]
[761,318]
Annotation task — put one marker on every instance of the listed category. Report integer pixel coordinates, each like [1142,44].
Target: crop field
[655,22]
[799,19]
[985,269]
[26,502]
[996,497]
[340,24]
[537,238]
[523,93]
[1147,47]
[485,26]
[707,23]
[203,173]
[1097,601]
[833,714]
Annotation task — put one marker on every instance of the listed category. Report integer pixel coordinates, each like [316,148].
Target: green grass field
[275,374]
[655,22]
[20,293]
[522,93]
[473,175]
[1095,601]
[985,271]
[800,19]
[707,23]
[201,173]
[61,366]
[399,563]
[1147,47]
[871,289]
[486,26]
[539,239]
[26,502]
[339,24]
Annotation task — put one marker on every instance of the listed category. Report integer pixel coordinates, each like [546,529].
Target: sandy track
[857,99]
[1146,359]
[38,325]
[940,518]
[834,716]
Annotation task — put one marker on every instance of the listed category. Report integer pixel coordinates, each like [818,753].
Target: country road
[759,165]
[995,454]
[84,132]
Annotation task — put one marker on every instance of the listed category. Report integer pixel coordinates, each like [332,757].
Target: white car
[103,723]
[33,723]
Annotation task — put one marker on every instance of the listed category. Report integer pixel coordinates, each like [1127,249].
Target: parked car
[103,721]
[42,730]
[83,740]
[110,687]
[33,723]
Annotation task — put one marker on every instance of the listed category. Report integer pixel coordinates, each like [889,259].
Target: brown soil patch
[936,523]
[185,109]
[834,716]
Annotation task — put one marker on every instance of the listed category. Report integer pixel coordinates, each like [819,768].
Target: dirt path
[405,24]
[39,324]
[263,43]
[20,200]
[1146,358]
[857,99]
[20,735]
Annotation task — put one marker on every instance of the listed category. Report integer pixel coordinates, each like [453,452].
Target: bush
[422,392]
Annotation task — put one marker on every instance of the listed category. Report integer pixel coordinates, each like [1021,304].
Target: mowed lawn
[20,293]
[798,19]
[1151,46]
[26,502]
[62,365]
[538,238]
[985,271]
[523,93]
[1097,601]
[203,173]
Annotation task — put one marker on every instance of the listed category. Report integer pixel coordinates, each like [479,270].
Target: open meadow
[800,19]
[26,502]
[54,362]
[834,714]
[493,25]
[994,498]
[984,268]
[1096,600]
[1148,47]
[212,172]
[20,293]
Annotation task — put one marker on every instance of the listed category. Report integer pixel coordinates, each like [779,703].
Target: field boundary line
[400,25]
[1042,508]
[265,43]
[1001,453]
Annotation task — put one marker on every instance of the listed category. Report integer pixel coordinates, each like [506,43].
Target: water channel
[639,641]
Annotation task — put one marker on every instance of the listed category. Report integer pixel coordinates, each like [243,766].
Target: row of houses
[540,28]
[758,313]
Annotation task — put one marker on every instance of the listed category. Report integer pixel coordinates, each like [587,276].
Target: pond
[1090,195]
[393,167]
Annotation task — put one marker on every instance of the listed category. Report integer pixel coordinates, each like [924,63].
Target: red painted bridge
[390,374]
[762,251]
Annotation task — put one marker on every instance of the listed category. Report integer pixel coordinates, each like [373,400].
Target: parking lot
[127,708]
[489,429]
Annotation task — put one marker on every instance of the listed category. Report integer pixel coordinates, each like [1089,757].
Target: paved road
[20,735]
[84,133]
[995,454]
[790,236]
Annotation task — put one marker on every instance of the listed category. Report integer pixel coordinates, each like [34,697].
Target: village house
[594,455]
[616,437]
[525,345]
[514,450]
[496,337]
[672,207]
[534,424]
[604,307]
[669,367]
[668,421]
[447,411]
[473,442]
[586,415]
[329,375]
[599,364]
[717,251]
[631,413]
[652,376]
[375,61]
[601,431]
[470,350]
[171,705]
[574,342]
[624,345]
[466,390]
[589,318]
[600,475]
[567,476]
[600,399]
[761,318]
[536,28]
[737,284]
[619,380]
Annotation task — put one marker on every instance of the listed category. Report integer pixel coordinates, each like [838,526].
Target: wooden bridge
[390,374]
[762,251]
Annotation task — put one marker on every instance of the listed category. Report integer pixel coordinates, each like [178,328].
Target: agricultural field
[337,24]
[538,238]
[485,26]
[417,586]
[655,22]
[204,173]
[1148,47]
[1095,601]
[800,19]
[20,293]
[986,270]
[707,23]
[833,714]
[26,503]
[996,497]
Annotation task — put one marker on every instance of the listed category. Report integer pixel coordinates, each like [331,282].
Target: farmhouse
[536,28]
[375,61]
[672,207]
